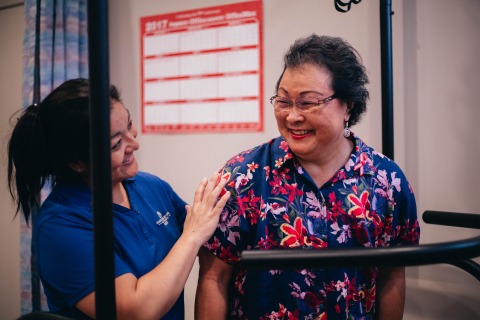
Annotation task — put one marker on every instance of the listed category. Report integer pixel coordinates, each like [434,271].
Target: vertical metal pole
[387,77]
[101,179]
[34,277]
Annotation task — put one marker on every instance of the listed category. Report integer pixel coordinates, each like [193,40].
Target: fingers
[200,190]
[222,202]
[188,208]
[210,189]
[217,186]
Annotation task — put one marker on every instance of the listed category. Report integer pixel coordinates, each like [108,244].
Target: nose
[294,115]
[132,137]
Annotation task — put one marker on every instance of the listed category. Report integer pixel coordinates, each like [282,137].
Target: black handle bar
[425,254]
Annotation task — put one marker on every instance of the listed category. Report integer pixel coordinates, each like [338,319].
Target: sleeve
[406,229]
[69,236]
[226,242]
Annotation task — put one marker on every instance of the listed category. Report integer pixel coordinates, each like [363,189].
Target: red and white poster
[202,70]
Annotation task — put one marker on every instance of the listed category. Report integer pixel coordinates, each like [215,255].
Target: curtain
[55,50]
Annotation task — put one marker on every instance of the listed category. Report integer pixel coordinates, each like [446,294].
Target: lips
[128,160]
[300,134]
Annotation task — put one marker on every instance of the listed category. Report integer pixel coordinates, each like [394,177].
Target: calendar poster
[202,70]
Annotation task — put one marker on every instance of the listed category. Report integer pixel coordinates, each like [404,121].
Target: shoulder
[261,154]
[145,184]
[67,202]
[145,178]
[372,160]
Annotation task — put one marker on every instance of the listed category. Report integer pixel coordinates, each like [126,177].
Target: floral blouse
[276,204]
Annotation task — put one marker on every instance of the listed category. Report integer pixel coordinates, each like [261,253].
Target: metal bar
[447,252]
[387,77]
[468,265]
[463,220]
[101,179]
[363,257]
[34,277]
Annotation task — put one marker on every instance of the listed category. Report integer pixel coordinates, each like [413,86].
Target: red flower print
[250,201]
[369,297]
[361,206]
[237,158]
[364,160]
[278,163]
[267,172]
[252,166]
[340,175]
[276,185]
[295,234]
[284,146]
[312,300]
[287,156]
[283,173]
[225,254]
[293,191]
[336,205]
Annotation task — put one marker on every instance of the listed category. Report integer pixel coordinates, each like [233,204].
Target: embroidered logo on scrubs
[163,218]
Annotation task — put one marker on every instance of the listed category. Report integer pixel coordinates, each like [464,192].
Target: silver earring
[346,130]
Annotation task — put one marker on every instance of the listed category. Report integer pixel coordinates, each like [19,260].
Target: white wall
[441,71]
[436,111]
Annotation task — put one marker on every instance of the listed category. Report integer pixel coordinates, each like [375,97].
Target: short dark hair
[47,138]
[349,77]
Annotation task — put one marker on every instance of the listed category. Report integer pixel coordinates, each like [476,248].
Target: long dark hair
[47,138]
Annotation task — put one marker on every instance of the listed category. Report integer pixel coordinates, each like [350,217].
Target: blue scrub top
[144,234]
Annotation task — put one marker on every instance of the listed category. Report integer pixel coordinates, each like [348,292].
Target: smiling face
[312,133]
[123,143]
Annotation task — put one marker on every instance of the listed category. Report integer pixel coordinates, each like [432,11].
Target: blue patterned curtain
[55,50]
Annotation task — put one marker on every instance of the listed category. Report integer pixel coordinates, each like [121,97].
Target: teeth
[129,159]
[299,132]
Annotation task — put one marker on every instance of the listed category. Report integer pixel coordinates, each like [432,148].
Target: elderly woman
[318,186]
[156,234]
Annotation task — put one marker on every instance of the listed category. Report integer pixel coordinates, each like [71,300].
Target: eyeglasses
[303,104]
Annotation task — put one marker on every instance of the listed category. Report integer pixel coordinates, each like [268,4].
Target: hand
[202,217]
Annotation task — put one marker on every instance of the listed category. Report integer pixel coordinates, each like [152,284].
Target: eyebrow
[118,133]
[301,93]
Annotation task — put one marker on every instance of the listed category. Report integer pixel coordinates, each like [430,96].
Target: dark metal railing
[454,252]
[101,179]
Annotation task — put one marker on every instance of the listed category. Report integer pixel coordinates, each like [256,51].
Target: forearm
[157,291]
[211,300]
[152,295]
[390,294]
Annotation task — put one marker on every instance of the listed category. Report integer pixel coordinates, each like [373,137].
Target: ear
[347,111]
[78,167]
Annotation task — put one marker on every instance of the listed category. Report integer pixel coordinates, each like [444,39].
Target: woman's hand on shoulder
[202,216]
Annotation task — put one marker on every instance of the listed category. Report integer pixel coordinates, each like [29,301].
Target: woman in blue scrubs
[156,234]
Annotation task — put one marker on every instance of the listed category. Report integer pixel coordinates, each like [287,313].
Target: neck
[120,196]
[324,166]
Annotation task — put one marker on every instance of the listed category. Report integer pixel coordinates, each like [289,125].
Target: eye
[130,125]
[307,103]
[282,102]
[117,145]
